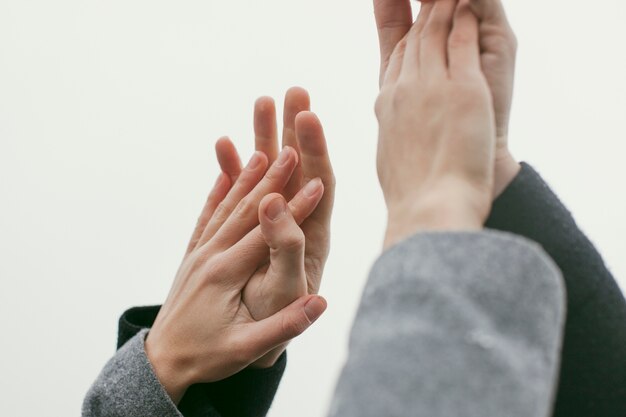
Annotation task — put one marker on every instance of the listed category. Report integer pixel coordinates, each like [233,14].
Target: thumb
[290,322]
[285,240]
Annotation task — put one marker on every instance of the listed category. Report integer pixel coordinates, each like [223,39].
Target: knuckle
[459,39]
[222,211]
[293,243]
[381,103]
[435,26]
[245,208]
[214,268]
[401,94]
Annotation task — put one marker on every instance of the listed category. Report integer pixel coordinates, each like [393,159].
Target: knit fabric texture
[456,324]
[593,365]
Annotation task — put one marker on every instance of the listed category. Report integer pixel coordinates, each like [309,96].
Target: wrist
[430,215]
[506,169]
[174,373]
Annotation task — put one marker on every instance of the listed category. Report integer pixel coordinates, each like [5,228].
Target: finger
[315,162]
[290,322]
[413,38]
[490,11]
[463,44]
[394,67]
[296,100]
[286,242]
[254,244]
[493,24]
[245,215]
[228,158]
[247,180]
[217,194]
[265,130]
[433,51]
[393,20]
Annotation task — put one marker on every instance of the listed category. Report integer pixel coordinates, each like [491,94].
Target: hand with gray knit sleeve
[437,132]
[454,320]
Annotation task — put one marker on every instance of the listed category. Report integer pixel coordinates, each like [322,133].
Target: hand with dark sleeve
[593,370]
[246,287]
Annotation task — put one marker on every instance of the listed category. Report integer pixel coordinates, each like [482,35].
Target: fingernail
[254,161]
[312,187]
[283,158]
[314,308]
[275,209]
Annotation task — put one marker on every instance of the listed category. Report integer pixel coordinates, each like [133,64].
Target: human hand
[270,290]
[498,46]
[204,332]
[436,126]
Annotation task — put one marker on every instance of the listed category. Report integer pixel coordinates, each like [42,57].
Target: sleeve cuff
[128,386]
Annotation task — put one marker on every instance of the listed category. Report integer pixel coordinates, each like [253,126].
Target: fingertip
[273,207]
[298,93]
[222,143]
[315,307]
[297,99]
[310,133]
[313,188]
[276,209]
[227,156]
[286,154]
[264,104]
[307,119]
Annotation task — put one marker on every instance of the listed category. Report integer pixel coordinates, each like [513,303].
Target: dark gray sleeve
[456,324]
[592,381]
[128,387]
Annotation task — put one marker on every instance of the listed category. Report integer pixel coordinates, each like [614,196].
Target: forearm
[455,324]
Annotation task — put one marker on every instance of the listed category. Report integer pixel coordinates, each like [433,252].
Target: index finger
[394,18]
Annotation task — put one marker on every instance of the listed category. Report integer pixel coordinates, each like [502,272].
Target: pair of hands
[446,88]
[443,110]
[260,243]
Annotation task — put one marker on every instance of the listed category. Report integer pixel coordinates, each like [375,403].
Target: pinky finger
[228,158]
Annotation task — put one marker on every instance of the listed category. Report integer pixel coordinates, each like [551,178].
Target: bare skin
[437,133]
[498,47]
[243,288]
[302,130]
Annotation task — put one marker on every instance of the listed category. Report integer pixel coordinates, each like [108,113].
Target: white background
[108,114]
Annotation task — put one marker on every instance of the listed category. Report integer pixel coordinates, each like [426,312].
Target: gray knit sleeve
[456,324]
[128,387]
